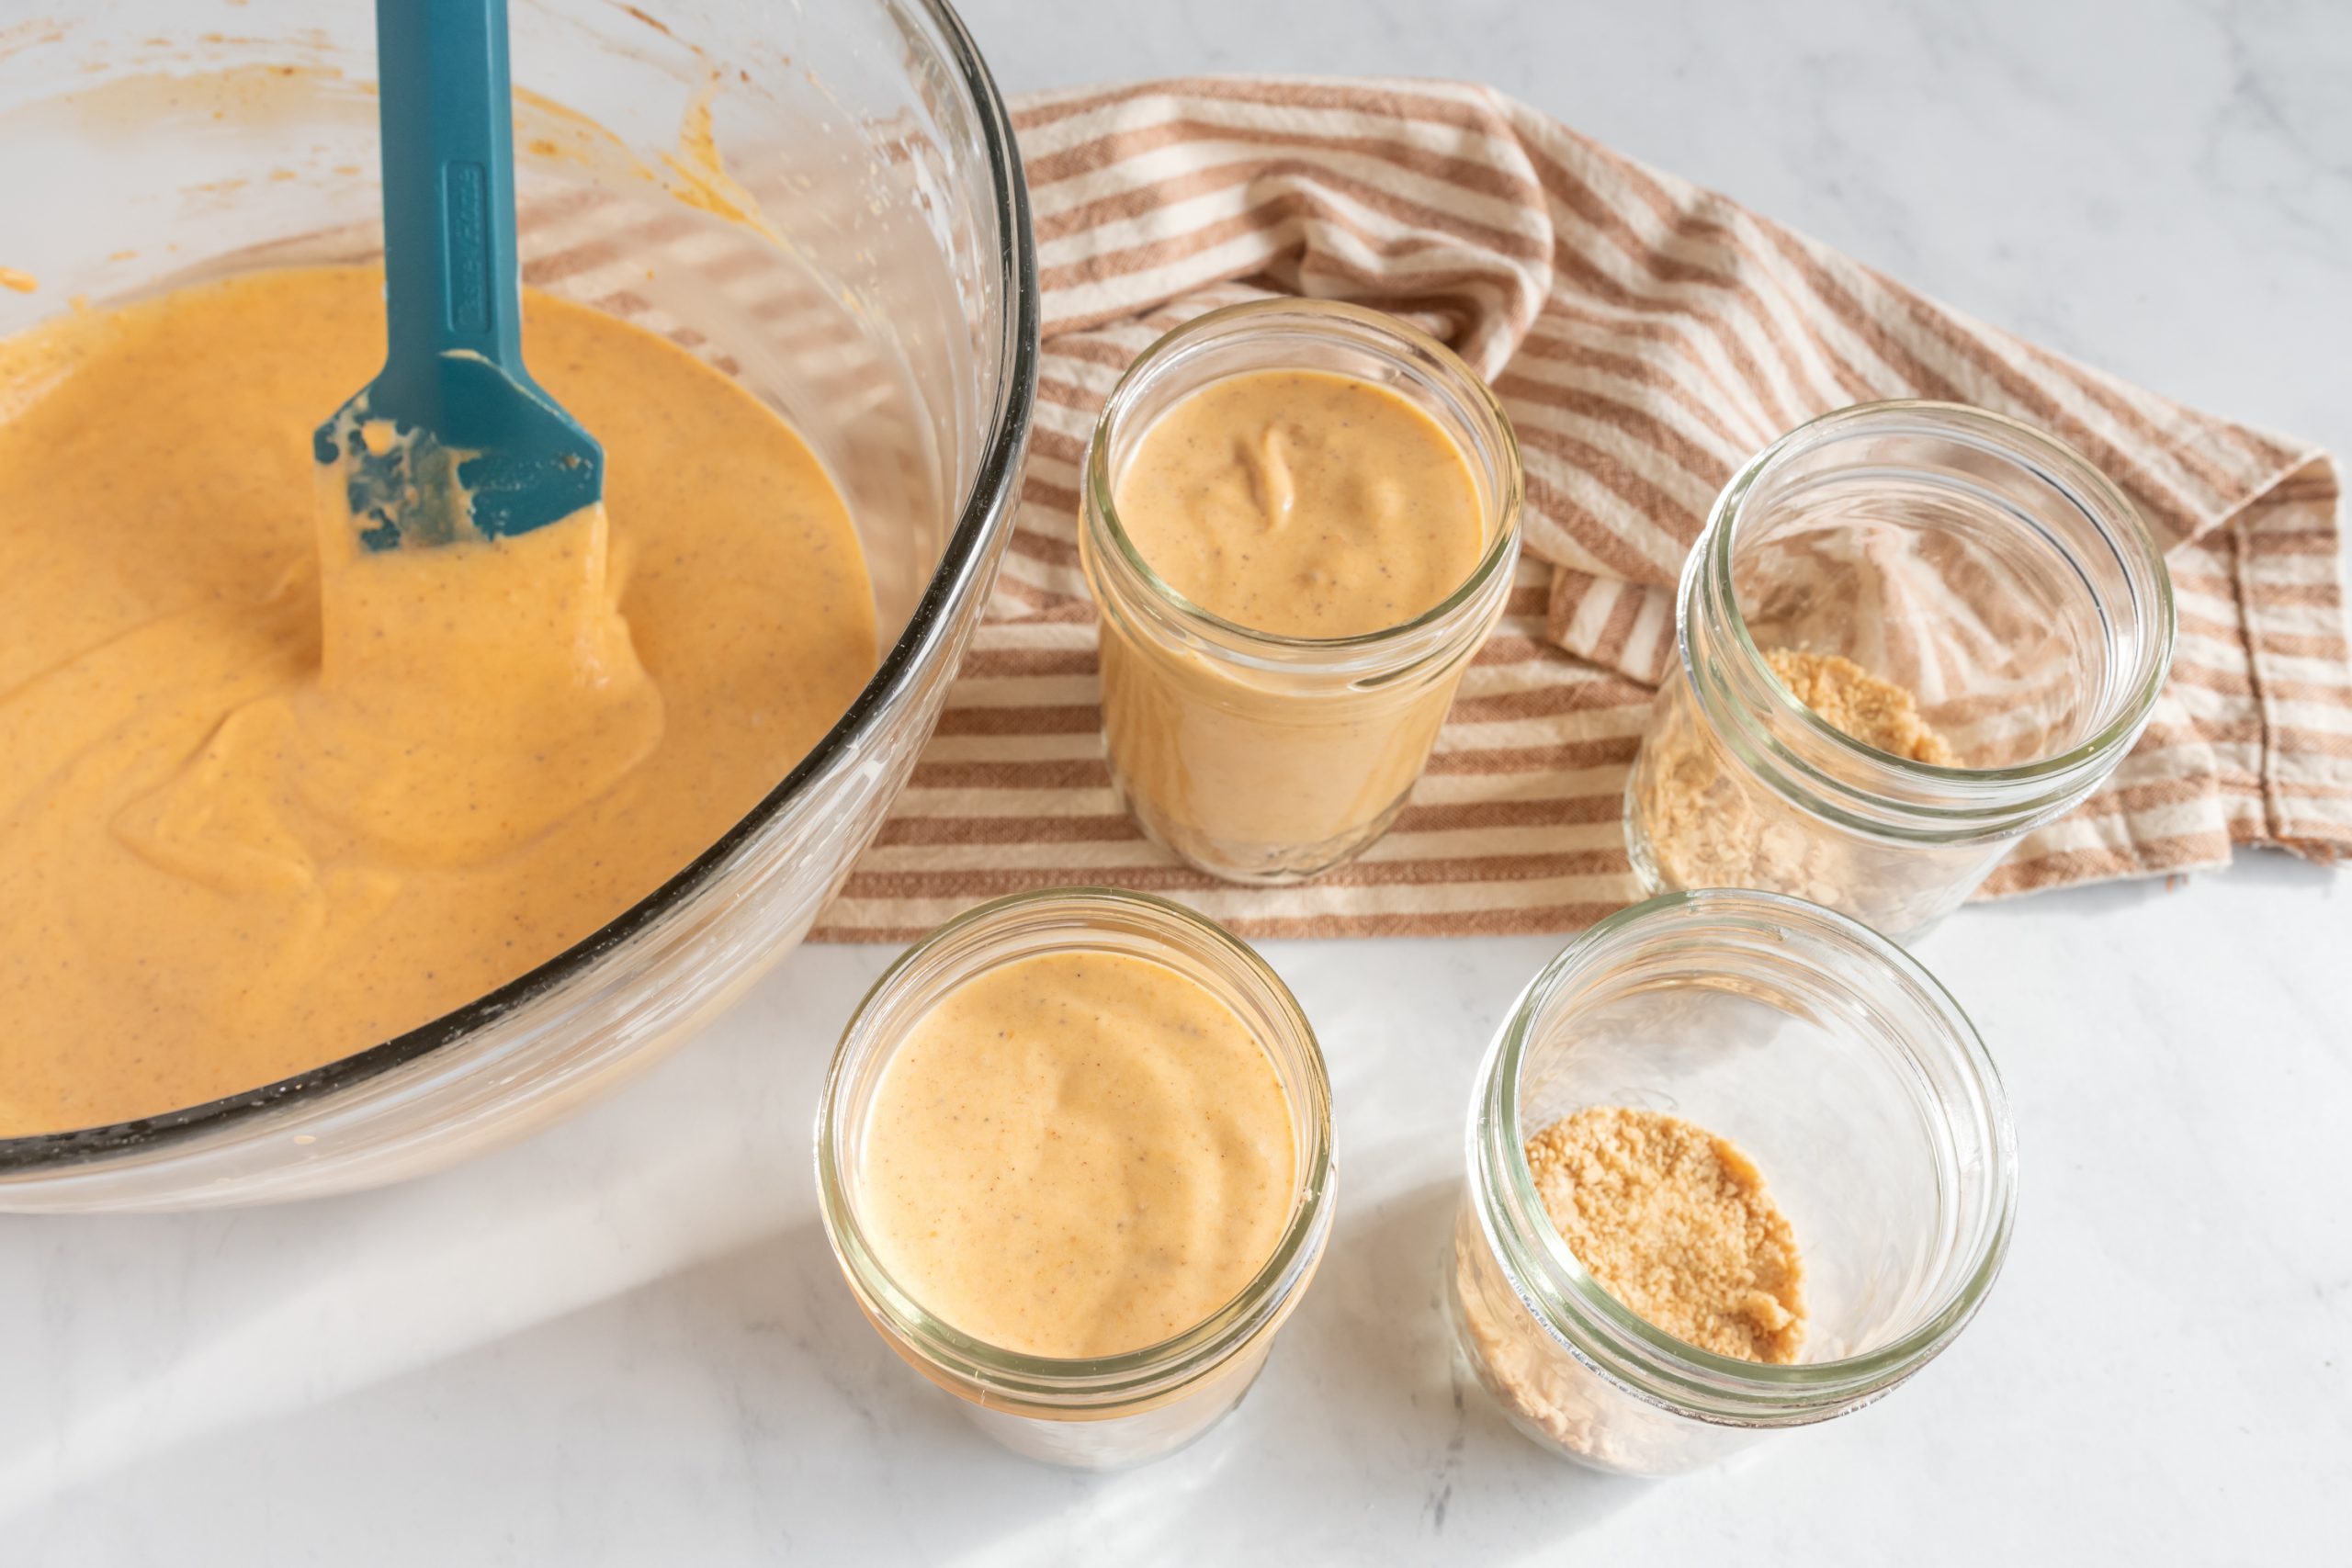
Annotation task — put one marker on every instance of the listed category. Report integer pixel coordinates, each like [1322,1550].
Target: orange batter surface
[266,800]
[1304,503]
[1077,1155]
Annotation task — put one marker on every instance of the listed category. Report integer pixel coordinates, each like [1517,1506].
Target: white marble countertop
[625,1342]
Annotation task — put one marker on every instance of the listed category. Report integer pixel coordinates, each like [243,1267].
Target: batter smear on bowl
[266,799]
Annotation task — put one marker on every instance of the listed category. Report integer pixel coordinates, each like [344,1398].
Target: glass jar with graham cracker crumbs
[1910,634]
[1735,1163]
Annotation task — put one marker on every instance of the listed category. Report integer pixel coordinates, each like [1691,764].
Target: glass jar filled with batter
[1075,1159]
[1300,521]
[1910,634]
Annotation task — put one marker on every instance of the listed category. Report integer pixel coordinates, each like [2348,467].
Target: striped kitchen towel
[1647,336]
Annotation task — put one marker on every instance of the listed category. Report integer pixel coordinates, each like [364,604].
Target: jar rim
[1086,1384]
[1337,320]
[1617,1343]
[1997,802]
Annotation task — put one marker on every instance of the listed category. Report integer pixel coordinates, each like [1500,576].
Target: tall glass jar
[1979,564]
[1829,1056]
[1111,1411]
[1262,758]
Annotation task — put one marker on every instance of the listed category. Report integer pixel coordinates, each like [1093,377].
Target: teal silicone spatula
[452,439]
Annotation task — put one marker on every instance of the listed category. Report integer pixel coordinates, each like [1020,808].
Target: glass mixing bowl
[824,202]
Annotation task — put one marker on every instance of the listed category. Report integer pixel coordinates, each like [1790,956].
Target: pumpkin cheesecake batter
[266,799]
[1077,1155]
[1306,505]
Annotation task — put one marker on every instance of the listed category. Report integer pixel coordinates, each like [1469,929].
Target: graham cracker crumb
[1859,705]
[1677,1224]
[1698,817]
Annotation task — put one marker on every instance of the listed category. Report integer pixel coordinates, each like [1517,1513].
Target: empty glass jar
[1977,564]
[1835,1062]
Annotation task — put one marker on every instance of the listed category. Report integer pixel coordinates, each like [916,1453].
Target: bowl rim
[962,565]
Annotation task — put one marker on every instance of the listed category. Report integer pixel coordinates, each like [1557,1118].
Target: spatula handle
[446,107]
